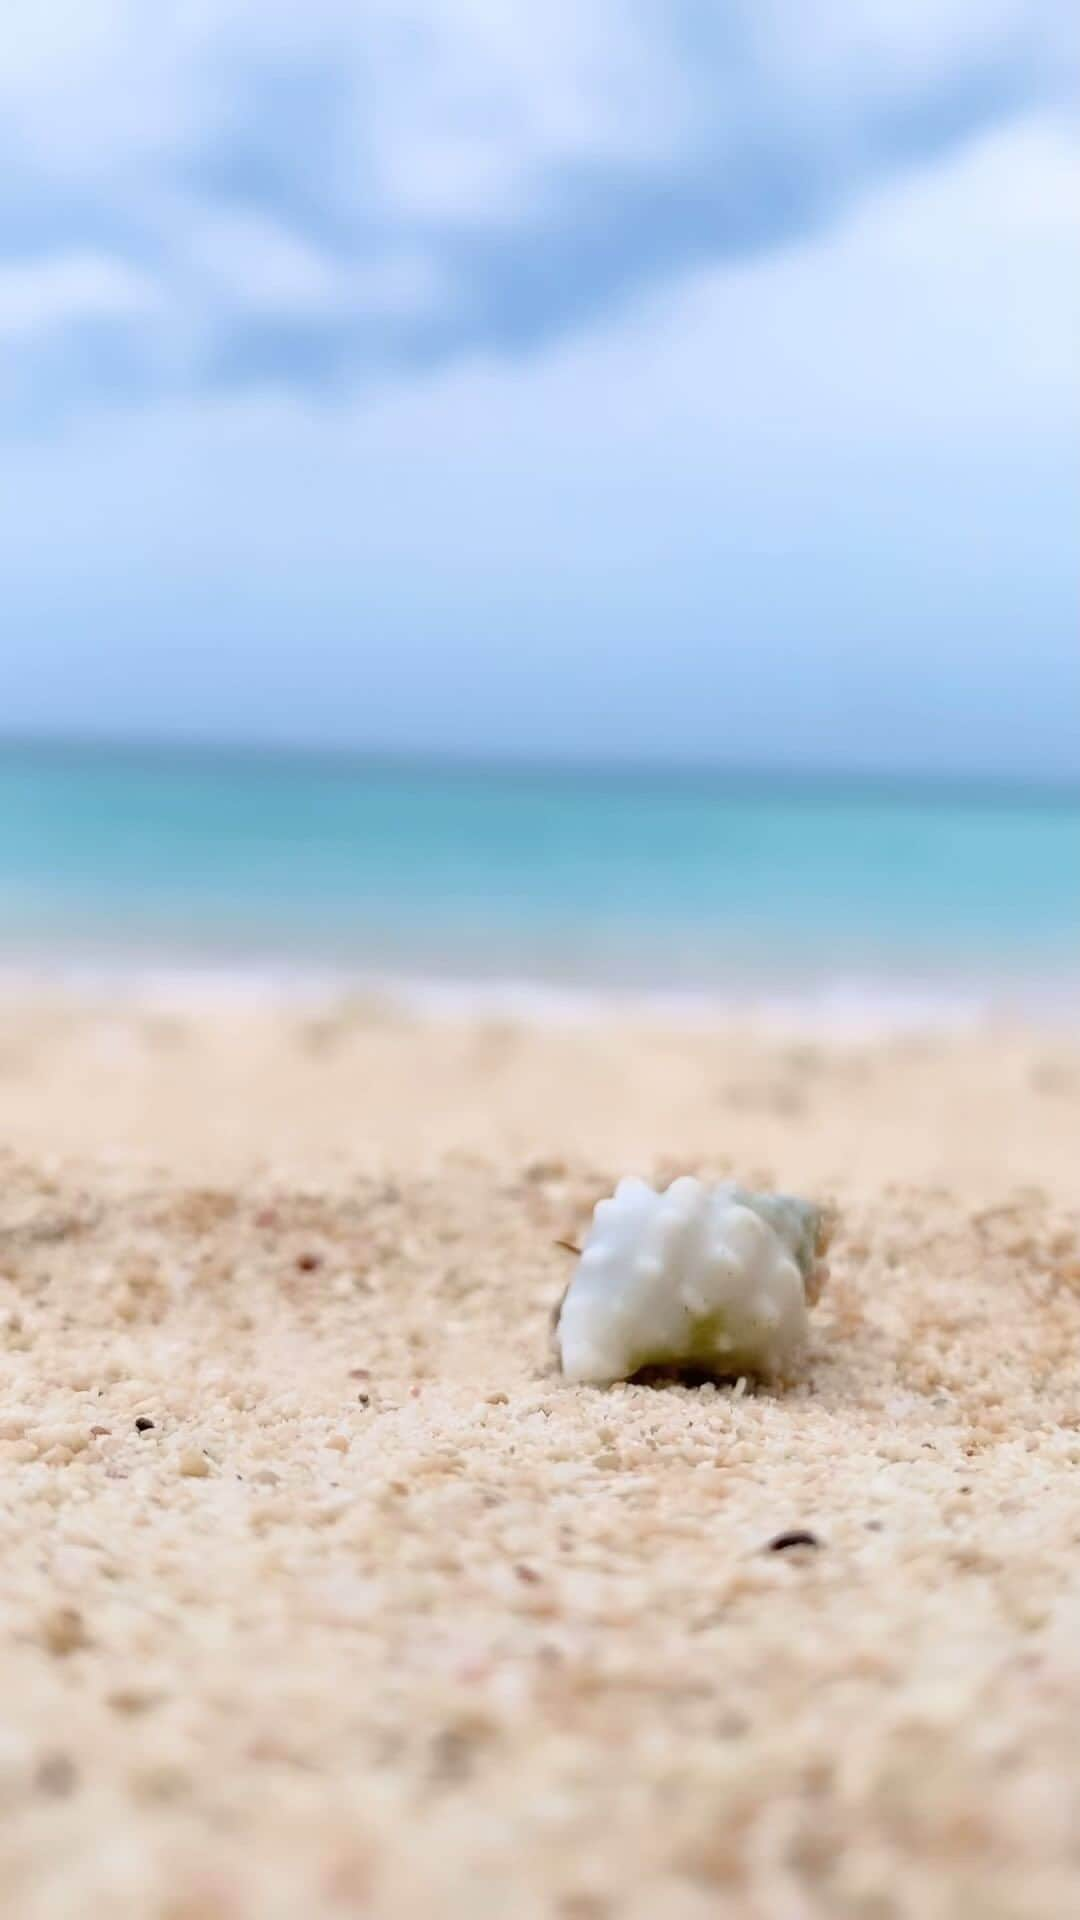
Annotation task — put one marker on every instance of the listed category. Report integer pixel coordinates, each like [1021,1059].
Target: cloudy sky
[650,377]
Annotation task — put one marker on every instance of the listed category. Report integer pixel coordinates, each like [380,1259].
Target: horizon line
[344,757]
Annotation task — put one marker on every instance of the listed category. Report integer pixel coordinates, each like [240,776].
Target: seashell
[716,1279]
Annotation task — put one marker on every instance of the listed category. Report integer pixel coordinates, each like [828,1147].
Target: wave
[846,1006]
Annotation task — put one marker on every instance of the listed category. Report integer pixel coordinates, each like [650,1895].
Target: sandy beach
[323,1596]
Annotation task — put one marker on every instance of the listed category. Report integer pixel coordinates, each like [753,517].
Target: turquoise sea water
[720,884]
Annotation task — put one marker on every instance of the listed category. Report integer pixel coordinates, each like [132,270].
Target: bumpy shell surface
[713,1278]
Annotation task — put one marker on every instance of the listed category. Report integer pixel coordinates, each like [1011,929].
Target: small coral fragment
[710,1278]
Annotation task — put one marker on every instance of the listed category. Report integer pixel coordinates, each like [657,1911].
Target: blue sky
[639,379]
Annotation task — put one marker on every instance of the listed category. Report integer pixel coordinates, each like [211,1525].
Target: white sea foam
[847,1007]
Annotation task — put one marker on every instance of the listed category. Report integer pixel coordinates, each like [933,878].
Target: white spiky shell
[695,1276]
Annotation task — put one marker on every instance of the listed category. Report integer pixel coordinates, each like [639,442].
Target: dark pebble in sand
[57,1776]
[797,1537]
[143,1425]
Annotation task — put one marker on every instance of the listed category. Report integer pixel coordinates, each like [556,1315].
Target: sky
[653,379]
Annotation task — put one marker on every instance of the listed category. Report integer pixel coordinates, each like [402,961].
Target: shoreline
[849,1005]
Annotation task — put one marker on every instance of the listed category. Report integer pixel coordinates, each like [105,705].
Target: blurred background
[543,499]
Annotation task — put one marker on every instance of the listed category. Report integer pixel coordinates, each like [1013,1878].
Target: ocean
[738,888]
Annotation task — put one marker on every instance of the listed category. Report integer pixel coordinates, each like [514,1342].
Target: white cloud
[328,189]
[839,473]
[71,289]
[248,260]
